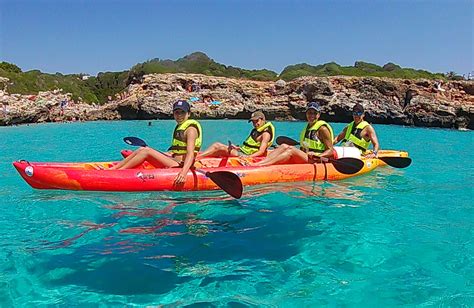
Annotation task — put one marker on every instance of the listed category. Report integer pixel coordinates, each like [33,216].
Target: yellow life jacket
[251,145]
[353,138]
[178,144]
[309,137]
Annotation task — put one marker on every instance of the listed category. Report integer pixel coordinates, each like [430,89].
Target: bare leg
[277,152]
[157,159]
[127,159]
[217,149]
[288,154]
[271,156]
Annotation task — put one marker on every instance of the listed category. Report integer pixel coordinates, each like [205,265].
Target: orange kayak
[94,176]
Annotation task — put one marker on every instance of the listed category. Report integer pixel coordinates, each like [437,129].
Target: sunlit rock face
[389,101]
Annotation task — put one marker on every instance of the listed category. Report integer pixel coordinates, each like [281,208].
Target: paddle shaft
[290,141]
[393,161]
[346,165]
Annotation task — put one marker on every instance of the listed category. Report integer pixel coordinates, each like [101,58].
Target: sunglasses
[357,113]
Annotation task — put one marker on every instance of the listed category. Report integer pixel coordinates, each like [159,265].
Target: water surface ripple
[389,238]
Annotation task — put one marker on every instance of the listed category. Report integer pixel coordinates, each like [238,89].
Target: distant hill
[96,89]
[199,63]
[92,90]
[359,69]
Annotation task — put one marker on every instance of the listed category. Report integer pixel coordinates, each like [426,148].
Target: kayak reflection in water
[315,142]
[260,139]
[187,140]
[359,133]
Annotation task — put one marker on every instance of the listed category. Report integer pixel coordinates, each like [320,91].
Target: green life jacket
[309,137]
[353,138]
[178,145]
[251,145]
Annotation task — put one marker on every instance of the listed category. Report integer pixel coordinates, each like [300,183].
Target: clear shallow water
[392,237]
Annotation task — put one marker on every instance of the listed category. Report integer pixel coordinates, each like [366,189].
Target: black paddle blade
[347,165]
[286,140]
[228,182]
[396,162]
[135,141]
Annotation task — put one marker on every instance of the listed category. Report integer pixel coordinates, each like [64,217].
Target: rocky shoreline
[424,103]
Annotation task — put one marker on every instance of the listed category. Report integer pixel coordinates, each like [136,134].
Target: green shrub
[97,89]
[360,69]
[8,67]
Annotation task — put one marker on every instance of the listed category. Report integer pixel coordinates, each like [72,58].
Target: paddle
[135,141]
[393,161]
[226,180]
[396,161]
[346,165]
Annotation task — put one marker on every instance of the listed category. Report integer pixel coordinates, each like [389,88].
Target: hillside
[387,101]
[199,63]
[360,69]
[98,89]
[92,90]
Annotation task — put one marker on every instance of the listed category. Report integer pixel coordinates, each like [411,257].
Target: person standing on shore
[62,105]
[260,139]
[359,133]
[187,140]
[315,140]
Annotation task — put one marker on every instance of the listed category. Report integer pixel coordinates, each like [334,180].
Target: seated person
[359,133]
[187,140]
[261,137]
[315,140]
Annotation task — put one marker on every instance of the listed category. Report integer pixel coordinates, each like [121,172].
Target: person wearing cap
[315,140]
[186,142]
[261,137]
[359,133]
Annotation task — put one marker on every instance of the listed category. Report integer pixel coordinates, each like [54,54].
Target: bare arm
[263,146]
[373,137]
[340,136]
[191,134]
[325,136]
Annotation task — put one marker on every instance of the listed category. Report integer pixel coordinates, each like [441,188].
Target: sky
[96,36]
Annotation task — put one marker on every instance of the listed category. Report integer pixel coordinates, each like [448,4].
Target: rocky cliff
[389,101]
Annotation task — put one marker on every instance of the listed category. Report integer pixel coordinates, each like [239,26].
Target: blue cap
[182,104]
[358,108]
[313,105]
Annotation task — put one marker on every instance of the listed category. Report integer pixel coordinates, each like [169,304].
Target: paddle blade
[396,162]
[286,140]
[228,182]
[135,141]
[347,165]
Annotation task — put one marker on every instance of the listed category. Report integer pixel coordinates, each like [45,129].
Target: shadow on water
[153,244]
[337,190]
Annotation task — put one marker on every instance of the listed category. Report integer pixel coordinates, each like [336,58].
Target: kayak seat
[92,166]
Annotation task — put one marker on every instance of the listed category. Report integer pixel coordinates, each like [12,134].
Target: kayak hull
[95,176]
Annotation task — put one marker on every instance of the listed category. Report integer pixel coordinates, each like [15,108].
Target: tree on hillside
[10,67]
[453,76]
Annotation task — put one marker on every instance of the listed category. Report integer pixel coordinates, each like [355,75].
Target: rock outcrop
[47,107]
[389,101]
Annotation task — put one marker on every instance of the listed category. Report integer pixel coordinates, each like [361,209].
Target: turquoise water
[389,238]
